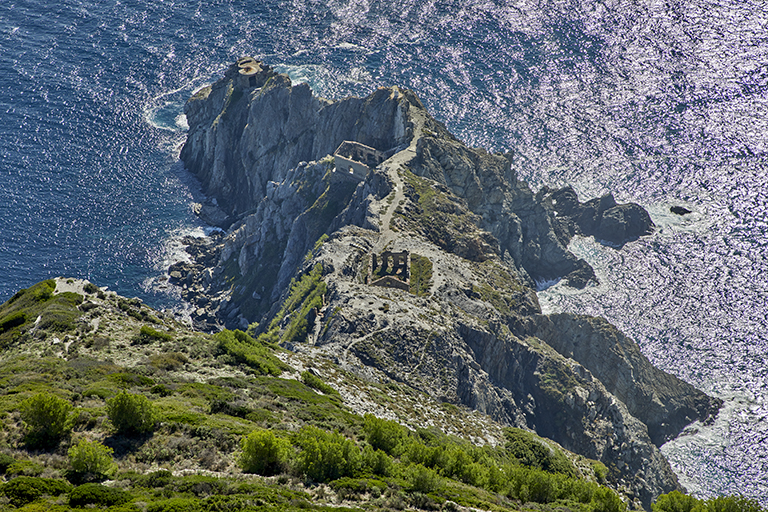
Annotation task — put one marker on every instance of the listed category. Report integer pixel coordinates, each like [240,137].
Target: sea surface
[660,102]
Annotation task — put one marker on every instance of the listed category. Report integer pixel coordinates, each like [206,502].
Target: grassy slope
[70,339]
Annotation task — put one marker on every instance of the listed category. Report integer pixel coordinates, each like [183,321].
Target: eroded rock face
[247,131]
[600,217]
[473,333]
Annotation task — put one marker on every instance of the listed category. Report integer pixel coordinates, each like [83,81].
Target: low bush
[169,361]
[326,456]
[147,335]
[534,453]
[385,435]
[5,462]
[47,418]
[264,453]
[97,494]
[317,383]
[131,414]
[26,489]
[90,288]
[24,468]
[91,461]
[175,505]
[13,320]
[347,487]
[252,353]
[676,501]
[155,479]
[421,479]
[605,500]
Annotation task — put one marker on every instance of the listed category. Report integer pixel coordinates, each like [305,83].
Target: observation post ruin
[356,160]
[392,270]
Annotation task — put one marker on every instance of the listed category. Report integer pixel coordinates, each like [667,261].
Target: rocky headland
[459,319]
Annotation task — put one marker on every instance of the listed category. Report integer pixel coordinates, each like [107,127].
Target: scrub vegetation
[184,420]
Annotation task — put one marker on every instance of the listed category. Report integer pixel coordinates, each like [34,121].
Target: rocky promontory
[424,270]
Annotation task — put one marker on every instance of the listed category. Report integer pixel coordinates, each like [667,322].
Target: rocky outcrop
[472,332]
[247,131]
[660,400]
[600,217]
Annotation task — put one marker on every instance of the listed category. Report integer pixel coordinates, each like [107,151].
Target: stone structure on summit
[391,271]
[356,159]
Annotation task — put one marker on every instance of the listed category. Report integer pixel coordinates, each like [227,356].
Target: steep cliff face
[246,131]
[466,327]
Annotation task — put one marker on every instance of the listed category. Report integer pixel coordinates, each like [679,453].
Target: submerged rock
[463,323]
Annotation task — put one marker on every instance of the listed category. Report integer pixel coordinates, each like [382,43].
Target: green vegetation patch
[504,291]
[676,501]
[148,335]
[317,383]
[99,495]
[444,219]
[255,354]
[26,489]
[534,452]
[304,299]
[421,275]
[57,313]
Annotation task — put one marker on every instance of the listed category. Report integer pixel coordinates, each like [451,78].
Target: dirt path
[392,168]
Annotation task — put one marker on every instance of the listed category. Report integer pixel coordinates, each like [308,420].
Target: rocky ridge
[474,333]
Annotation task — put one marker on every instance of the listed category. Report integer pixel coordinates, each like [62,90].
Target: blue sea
[662,103]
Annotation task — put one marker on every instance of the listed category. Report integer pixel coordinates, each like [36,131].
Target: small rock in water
[679,210]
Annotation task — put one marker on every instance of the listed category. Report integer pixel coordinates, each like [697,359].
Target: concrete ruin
[392,271]
[355,160]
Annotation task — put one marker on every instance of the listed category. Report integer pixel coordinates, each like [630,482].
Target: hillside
[68,339]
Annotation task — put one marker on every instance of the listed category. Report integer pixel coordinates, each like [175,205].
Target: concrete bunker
[391,269]
[356,160]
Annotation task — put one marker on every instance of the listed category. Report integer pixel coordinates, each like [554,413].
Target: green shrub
[131,414]
[130,379]
[385,435]
[421,275]
[97,494]
[147,335]
[24,468]
[161,389]
[346,487]
[533,485]
[317,383]
[90,288]
[677,502]
[376,462]
[605,500]
[175,505]
[26,489]
[325,455]
[13,320]
[91,460]
[5,462]
[421,479]
[535,453]
[264,453]
[47,418]
[169,361]
[252,353]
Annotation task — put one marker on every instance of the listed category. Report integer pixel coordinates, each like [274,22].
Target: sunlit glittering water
[661,102]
